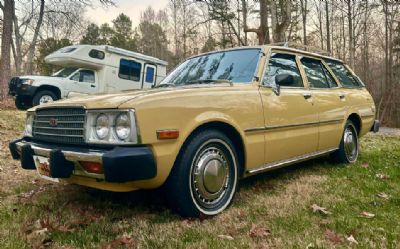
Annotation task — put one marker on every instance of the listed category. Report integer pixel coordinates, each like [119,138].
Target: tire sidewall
[38,95]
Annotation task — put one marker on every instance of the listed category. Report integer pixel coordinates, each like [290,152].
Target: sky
[132,8]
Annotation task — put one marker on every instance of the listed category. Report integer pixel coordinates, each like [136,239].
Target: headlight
[111,127]
[123,126]
[102,126]
[27,81]
[28,124]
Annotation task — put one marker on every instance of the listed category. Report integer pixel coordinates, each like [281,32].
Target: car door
[330,102]
[291,118]
[83,81]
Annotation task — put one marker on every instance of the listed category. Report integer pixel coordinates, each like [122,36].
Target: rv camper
[88,69]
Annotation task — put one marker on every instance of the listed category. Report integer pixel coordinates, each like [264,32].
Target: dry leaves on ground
[352,240]
[382,176]
[365,165]
[333,237]
[124,241]
[259,232]
[319,209]
[383,195]
[227,237]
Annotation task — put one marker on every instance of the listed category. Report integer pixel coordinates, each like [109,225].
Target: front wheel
[205,176]
[349,146]
[20,103]
[43,97]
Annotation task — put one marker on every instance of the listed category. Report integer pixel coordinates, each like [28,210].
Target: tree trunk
[244,13]
[6,39]
[31,49]
[328,25]
[263,31]
[351,37]
[279,28]
[303,6]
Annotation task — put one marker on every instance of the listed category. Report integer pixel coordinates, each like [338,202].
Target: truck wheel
[20,104]
[43,97]
[204,178]
[349,146]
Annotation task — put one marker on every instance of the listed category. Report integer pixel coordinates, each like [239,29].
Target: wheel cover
[45,99]
[350,143]
[213,176]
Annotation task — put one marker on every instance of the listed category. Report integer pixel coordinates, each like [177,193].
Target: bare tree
[304,11]
[6,39]
[281,20]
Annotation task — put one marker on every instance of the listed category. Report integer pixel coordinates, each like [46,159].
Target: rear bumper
[120,164]
[375,126]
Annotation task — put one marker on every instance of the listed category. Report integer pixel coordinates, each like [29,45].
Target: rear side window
[129,70]
[282,64]
[345,77]
[315,73]
[149,75]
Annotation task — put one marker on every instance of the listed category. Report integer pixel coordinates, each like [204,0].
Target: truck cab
[87,69]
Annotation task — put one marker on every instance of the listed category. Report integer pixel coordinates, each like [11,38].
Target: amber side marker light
[92,167]
[167,134]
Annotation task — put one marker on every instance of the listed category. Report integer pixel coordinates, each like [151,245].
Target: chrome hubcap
[210,176]
[45,99]
[350,143]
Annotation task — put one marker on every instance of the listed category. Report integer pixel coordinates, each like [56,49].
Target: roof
[129,53]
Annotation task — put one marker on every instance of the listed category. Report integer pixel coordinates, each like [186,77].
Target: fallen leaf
[259,232]
[228,237]
[365,165]
[383,195]
[367,215]
[333,237]
[382,176]
[351,239]
[124,241]
[319,209]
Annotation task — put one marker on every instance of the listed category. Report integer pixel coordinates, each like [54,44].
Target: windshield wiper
[165,85]
[209,81]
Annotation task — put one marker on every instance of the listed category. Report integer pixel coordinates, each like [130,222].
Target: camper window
[129,70]
[84,76]
[94,53]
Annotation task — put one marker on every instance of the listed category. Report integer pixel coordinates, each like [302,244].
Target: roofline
[303,52]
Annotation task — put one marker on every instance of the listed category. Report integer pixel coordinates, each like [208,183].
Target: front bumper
[23,90]
[120,164]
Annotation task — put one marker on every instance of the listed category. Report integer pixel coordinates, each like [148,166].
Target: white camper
[88,69]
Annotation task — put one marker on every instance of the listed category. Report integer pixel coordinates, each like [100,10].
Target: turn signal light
[92,167]
[168,134]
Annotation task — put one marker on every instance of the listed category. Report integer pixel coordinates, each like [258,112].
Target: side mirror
[282,80]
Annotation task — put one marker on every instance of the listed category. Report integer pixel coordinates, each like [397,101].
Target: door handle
[342,96]
[92,86]
[307,95]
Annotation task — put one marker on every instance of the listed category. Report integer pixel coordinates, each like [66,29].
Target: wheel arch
[356,119]
[230,131]
[51,88]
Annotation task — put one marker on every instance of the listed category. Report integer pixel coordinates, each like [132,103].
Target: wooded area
[363,33]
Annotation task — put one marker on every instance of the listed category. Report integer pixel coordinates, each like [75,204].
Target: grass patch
[278,202]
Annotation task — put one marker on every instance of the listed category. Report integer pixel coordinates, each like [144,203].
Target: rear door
[330,101]
[291,118]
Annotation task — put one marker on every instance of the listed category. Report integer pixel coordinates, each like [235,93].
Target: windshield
[238,66]
[65,72]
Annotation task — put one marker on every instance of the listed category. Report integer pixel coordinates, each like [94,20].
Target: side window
[282,64]
[331,80]
[315,73]
[87,76]
[94,53]
[75,77]
[129,70]
[149,75]
[345,77]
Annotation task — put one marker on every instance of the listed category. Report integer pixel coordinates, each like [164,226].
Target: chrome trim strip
[57,135]
[282,163]
[368,116]
[260,129]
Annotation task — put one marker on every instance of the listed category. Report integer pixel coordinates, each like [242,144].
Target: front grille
[13,85]
[59,125]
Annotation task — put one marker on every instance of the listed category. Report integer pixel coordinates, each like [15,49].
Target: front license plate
[43,168]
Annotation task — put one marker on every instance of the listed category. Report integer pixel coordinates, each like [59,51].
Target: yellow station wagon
[216,118]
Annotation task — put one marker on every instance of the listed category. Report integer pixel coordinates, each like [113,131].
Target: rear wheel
[43,97]
[349,147]
[205,176]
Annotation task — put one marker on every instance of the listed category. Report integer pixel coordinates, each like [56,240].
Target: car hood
[39,77]
[104,101]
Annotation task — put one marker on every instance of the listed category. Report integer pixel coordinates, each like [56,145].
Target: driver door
[83,81]
[291,118]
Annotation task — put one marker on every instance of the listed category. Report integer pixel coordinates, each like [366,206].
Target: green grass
[278,201]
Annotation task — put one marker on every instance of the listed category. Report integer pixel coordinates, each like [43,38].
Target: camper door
[149,75]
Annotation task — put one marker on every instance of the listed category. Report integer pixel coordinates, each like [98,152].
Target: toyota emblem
[53,122]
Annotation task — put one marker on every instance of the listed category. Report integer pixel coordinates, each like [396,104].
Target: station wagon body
[216,118]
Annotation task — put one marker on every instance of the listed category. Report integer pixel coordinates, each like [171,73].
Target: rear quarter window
[346,78]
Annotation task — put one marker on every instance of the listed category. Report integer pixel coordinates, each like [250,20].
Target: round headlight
[102,126]
[123,126]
